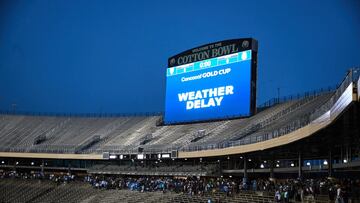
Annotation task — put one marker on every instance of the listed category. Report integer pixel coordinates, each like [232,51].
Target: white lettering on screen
[205,98]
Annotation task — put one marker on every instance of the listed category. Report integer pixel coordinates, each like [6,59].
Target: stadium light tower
[279,92]
[13,107]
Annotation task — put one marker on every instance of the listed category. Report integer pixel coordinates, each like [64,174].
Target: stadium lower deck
[32,189]
[43,134]
[314,136]
[48,191]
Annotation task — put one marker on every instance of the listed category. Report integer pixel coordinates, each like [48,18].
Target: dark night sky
[110,56]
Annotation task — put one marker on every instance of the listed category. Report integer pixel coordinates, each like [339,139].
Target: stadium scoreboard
[212,82]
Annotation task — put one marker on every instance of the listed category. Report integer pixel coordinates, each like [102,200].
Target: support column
[300,160]
[69,168]
[272,168]
[42,167]
[245,170]
[14,167]
[330,164]
[220,168]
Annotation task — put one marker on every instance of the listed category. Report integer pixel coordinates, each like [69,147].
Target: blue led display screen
[216,88]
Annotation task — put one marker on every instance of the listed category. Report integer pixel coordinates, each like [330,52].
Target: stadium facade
[316,133]
[286,137]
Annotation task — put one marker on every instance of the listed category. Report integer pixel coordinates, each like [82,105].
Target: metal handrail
[294,125]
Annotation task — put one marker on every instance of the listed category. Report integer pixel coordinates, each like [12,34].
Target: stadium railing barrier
[351,76]
[302,120]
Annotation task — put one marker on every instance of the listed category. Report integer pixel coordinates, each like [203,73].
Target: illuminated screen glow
[216,88]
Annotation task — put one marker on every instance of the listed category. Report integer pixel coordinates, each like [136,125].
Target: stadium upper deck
[89,138]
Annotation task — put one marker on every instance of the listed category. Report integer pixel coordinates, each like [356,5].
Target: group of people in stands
[190,185]
[58,178]
[339,191]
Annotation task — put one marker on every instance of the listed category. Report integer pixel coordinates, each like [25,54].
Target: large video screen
[211,89]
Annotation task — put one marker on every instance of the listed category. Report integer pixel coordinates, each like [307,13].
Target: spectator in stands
[284,190]
[332,193]
[277,196]
[355,188]
[286,196]
[339,198]
[254,185]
